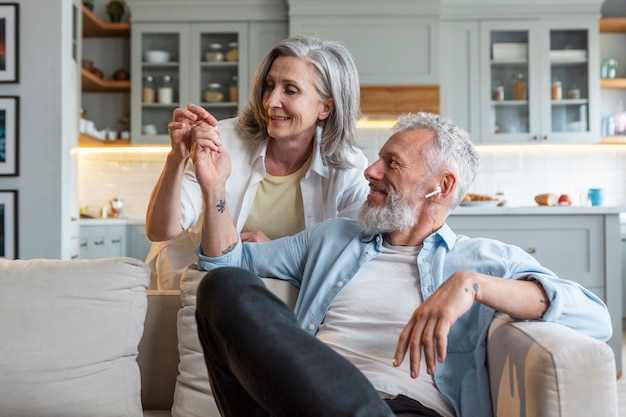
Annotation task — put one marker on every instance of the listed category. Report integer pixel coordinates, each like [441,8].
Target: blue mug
[596,196]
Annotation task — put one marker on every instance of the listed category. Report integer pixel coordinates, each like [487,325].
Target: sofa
[87,338]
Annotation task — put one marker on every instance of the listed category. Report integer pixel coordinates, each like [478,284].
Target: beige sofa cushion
[68,337]
[192,396]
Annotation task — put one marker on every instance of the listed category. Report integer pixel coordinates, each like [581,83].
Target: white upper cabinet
[539,82]
[393,42]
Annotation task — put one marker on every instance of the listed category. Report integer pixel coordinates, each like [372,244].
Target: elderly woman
[295,160]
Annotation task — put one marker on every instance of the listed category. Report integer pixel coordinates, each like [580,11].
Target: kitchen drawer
[571,246]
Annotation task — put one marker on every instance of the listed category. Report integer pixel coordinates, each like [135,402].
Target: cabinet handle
[531,250]
[545,137]
[99,242]
[535,137]
[83,244]
[74,256]
[116,240]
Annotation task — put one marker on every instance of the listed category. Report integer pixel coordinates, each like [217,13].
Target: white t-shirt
[364,322]
[326,193]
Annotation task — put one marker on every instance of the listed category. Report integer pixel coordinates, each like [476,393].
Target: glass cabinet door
[537,82]
[159,80]
[569,81]
[509,82]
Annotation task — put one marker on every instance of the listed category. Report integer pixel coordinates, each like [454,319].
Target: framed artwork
[8,224]
[9,42]
[9,138]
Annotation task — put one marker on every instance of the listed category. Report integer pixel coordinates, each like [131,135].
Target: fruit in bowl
[157,57]
[565,200]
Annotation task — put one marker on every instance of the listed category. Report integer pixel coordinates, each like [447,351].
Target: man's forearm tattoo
[221,206]
[230,248]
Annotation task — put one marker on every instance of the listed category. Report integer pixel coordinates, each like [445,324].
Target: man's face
[398,182]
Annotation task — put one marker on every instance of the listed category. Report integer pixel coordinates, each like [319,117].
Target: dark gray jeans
[262,364]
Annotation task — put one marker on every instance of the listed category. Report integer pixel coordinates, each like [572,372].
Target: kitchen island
[578,243]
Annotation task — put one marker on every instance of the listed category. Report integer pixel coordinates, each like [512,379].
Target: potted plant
[115,10]
[89,4]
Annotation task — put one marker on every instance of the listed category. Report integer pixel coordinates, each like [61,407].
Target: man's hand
[427,331]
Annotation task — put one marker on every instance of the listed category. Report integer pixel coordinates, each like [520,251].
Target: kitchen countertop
[539,210]
[109,221]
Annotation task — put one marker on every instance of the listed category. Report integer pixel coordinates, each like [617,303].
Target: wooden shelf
[613,83]
[93,27]
[612,24]
[91,83]
[88,141]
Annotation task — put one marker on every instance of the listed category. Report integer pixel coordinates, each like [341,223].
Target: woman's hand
[211,161]
[180,128]
[256,236]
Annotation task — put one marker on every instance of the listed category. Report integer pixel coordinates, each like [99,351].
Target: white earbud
[437,191]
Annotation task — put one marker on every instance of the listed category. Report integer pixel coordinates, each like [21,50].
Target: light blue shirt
[323,259]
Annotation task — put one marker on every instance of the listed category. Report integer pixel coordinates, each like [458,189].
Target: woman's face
[291,100]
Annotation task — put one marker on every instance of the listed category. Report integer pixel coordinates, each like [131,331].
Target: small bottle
[519,87]
[233,89]
[233,52]
[214,54]
[213,93]
[148,93]
[557,91]
[166,90]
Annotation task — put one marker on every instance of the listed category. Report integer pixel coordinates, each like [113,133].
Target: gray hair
[451,149]
[337,79]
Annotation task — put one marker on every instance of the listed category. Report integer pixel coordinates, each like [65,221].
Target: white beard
[396,214]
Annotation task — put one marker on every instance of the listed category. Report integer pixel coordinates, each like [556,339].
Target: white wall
[46,90]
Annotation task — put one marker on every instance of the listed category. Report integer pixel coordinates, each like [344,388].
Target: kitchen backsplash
[520,172]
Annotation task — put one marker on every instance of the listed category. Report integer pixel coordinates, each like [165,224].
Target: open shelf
[91,83]
[613,83]
[93,27]
[612,24]
[88,141]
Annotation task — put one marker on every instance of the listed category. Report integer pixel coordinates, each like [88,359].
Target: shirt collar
[317,164]
[444,235]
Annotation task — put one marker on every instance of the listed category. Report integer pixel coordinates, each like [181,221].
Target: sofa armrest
[545,369]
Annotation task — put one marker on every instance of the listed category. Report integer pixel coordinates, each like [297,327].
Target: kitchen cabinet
[106,101]
[102,241]
[539,81]
[192,66]
[137,242]
[613,90]
[576,243]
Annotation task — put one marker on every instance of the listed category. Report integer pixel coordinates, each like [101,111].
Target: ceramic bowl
[157,56]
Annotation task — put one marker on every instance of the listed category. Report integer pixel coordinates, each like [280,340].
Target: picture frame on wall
[8,224]
[9,135]
[9,42]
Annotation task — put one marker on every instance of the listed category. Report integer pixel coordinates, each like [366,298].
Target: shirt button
[369,252]
[339,284]
[311,327]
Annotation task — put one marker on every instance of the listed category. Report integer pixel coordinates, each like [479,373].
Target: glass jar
[498,93]
[213,93]
[573,93]
[148,93]
[519,87]
[166,90]
[609,68]
[233,89]
[233,52]
[214,54]
[556,90]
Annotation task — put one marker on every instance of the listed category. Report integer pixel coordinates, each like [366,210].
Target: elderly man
[397,281]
